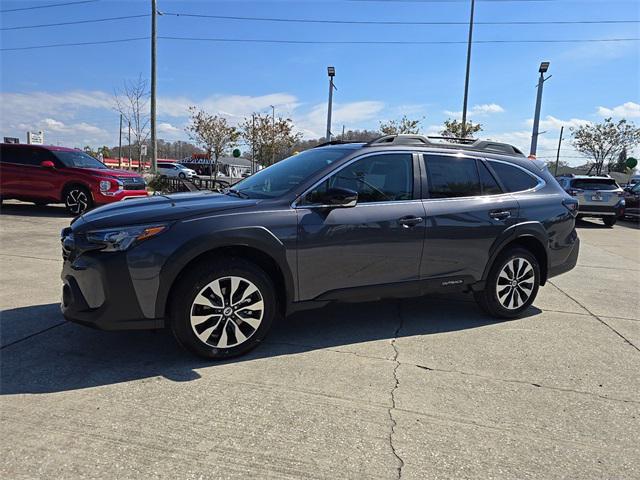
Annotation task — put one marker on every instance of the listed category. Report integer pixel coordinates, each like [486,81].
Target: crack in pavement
[597,318]
[20,340]
[394,423]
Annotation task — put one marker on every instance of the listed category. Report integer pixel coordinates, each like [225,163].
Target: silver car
[175,170]
[599,197]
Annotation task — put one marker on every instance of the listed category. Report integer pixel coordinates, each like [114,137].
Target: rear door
[376,243]
[466,211]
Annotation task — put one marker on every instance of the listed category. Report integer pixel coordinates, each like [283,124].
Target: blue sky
[67,91]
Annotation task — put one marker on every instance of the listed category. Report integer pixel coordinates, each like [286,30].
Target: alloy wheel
[515,283]
[77,201]
[227,312]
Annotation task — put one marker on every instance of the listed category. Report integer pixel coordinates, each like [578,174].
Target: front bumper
[97,291]
[101,198]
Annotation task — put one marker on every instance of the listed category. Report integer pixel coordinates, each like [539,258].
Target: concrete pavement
[426,388]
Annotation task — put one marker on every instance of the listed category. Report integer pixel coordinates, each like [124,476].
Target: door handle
[409,221]
[500,214]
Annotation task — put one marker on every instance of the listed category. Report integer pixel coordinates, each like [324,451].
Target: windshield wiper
[237,193]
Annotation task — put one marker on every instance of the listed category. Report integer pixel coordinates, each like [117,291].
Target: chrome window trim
[295,205]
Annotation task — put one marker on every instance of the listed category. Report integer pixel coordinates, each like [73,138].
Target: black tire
[222,331]
[610,221]
[41,204]
[182,175]
[494,304]
[77,199]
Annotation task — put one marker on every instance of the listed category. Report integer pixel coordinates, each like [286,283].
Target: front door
[466,211]
[377,242]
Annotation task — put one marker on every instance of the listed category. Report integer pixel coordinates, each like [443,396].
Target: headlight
[120,239]
[111,184]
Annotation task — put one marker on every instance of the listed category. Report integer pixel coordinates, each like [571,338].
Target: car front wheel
[77,200]
[223,308]
[512,284]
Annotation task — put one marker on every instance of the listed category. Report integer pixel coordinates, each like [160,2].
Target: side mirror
[334,197]
[47,164]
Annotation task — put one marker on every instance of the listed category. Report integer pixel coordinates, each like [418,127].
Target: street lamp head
[544,66]
[331,71]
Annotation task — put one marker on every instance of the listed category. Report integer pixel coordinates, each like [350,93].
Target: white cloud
[232,106]
[478,110]
[314,123]
[552,123]
[626,110]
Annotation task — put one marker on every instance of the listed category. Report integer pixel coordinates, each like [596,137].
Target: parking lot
[425,388]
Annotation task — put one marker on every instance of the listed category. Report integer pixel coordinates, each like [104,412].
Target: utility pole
[343,133]
[331,71]
[273,134]
[253,143]
[466,79]
[120,144]
[544,66]
[129,144]
[555,174]
[154,144]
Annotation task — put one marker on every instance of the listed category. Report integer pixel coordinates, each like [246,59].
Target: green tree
[404,125]
[604,142]
[212,132]
[270,140]
[453,128]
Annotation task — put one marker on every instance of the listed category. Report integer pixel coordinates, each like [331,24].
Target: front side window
[78,159]
[287,174]
[376,178]
[451,177]
[513,178]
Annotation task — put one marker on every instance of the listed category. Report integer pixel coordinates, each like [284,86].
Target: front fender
[256,237]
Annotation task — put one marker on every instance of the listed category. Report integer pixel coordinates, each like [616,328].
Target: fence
[175,185]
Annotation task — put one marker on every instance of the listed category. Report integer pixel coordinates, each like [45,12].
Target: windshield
[595,184]
[287,174]
[78,160]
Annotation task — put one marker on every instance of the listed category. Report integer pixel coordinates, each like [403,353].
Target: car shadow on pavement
[30,210]
[63,356]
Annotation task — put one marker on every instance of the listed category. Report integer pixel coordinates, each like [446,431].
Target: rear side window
[24,155]
[594,184]
[513,178]
[451,177]
[489,184]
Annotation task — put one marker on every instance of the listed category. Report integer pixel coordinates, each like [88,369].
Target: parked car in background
[398,217]
[632,202]
[50,174]
[175,170]
[598,197]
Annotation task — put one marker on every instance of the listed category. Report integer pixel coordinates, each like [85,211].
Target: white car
[175,170]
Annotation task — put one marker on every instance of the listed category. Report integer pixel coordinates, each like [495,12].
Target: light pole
[555,174]
[544,66]
[466,78]
[120,144]
[331,71]
[273,134]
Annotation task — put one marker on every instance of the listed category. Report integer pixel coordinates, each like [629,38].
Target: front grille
[132,183]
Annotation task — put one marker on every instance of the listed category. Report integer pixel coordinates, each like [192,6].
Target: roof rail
[337,142]
[450,142]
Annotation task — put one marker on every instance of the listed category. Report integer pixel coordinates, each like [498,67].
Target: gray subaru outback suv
[401,216]
[598,196]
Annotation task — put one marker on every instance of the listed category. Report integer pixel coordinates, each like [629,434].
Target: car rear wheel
[223,308]
[182,175]
[610,221]
[77,199]
[512,284]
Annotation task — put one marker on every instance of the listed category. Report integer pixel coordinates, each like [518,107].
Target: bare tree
[132,102]
[212,132]
[269,140]
[453,128]
[404,125]
[605,141]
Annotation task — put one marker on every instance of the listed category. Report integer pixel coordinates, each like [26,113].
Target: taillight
[571,204]
[575,191]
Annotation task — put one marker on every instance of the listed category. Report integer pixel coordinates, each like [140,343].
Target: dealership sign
[11,140]
[35,138]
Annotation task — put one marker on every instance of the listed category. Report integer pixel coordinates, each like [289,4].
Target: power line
[396,22]
[47,6]
[396,42]
[322,42]
[77,22]
[37,47]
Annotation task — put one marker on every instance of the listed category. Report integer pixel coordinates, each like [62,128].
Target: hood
[158,208]
[110,172]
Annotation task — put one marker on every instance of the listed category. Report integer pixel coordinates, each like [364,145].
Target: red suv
[47,174]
